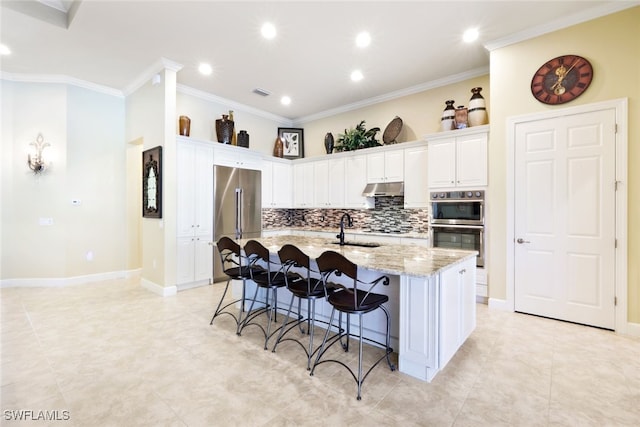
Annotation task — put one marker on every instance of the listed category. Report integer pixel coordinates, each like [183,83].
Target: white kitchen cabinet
[194,227]
[328,177]
[385,166]
[303,185]
[277,190]
[355,168]
[236,157]
[457,307]
[458,160]
[416,188]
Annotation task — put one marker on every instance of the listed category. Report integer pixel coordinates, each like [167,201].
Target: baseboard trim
[633,329]
[163,291]
[67,281]
[499,304]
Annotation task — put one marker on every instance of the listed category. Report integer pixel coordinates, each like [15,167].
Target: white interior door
[564,254]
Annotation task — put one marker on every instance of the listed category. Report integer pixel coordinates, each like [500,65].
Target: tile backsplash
[388,216]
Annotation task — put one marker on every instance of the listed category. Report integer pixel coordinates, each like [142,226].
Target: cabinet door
[355,181]
[375,168]
[203,258]
[336,180]
[303,185]
[442,163]
[416,191]
[471,163]
[321,184]
[184,260]
[185,178]
[267,184]
[394,165]
[281,185]
[203,191]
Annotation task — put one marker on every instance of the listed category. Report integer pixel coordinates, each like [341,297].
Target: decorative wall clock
[561,79]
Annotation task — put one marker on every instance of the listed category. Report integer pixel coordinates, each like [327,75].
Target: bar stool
[266,275]
[303,287]
[352,300]
[236,267]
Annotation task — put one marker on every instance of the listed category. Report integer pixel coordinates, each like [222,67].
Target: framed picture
[293,141]
[152,183]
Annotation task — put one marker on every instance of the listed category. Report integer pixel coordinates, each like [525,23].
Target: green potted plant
[355,139]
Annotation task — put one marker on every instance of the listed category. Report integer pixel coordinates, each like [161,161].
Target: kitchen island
[431,297]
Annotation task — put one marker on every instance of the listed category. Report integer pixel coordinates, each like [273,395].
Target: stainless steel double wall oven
[457,221]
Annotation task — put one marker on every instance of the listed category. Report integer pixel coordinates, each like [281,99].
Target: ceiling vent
[261,92]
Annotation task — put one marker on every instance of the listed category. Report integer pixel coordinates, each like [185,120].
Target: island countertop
[409,260]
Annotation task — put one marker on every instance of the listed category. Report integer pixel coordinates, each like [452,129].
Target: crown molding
[59,78]
[456,78]
[158,66]
[236,106]
[559,24]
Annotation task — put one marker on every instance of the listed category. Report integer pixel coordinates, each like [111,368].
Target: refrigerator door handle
[238,213]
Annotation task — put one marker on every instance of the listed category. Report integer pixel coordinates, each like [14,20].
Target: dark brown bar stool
[266,275]
[352,300]
[303,286]
[236,267]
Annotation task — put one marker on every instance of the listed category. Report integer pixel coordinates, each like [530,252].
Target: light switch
[76,202]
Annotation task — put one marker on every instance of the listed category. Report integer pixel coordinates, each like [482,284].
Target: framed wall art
[152,183]
[293,141]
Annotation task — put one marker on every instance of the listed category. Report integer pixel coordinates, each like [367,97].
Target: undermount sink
[360,244]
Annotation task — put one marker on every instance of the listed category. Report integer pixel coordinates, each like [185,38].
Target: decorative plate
[392,131]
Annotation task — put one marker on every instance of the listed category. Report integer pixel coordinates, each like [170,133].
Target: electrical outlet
[89,255]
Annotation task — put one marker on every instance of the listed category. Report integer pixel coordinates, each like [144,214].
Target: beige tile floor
[114,354]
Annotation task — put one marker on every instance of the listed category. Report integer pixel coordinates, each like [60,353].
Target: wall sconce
[36,164]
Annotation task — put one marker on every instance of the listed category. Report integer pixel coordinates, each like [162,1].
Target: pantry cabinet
[194,226]
[458,158]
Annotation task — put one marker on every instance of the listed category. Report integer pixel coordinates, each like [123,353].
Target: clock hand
[562,73]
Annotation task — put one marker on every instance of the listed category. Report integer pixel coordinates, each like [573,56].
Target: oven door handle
[473,227]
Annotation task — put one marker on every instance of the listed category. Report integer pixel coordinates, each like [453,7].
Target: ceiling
[414,45]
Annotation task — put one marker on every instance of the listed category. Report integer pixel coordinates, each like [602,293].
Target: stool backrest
[229,253]
[255,253]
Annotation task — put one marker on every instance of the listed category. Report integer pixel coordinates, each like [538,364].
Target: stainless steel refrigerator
[237,207]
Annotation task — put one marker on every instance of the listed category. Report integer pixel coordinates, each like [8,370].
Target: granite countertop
[407,260]
[411,234]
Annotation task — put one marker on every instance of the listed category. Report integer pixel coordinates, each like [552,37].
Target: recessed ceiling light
[4,50]
[470,35]
[285,100]
[363,39]
[356,75]
[268,30]
[205,69]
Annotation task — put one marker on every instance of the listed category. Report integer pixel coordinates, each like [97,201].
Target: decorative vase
[278,148]
[184,125]
[477,108]
[328,142]
[448,120]
[224,129]
[234,137]
[243,139]
[461,117]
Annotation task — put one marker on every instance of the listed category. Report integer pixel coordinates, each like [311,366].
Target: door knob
[521,240]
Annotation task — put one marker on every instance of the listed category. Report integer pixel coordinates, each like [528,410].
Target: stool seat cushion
[300,288]
[343,300]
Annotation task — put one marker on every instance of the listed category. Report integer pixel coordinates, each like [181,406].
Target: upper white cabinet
[458,158]
[416,191]
[385,166]
[194,231]
[277,190]
[329,177]
[237,157]
[355,167]
[303,185]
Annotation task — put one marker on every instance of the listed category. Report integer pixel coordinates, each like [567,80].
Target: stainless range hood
[381,189]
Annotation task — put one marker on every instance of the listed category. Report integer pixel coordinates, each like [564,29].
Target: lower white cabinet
[194,260]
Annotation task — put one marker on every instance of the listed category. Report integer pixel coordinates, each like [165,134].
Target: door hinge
[615,128]
[616,185]
[615,243]
[615,300]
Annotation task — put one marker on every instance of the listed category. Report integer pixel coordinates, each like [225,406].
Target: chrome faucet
[349,224]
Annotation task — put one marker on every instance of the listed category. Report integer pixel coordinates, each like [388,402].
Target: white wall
[86,133]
